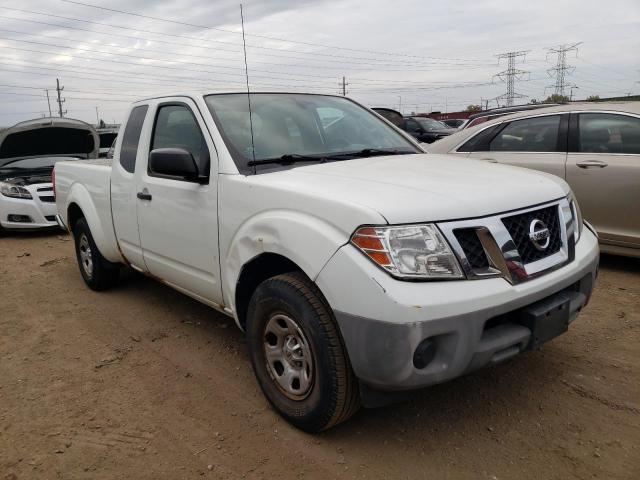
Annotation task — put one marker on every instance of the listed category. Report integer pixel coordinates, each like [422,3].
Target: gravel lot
[142,382]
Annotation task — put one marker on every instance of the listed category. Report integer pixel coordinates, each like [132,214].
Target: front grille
[472,248]
[48,198]
[50,218]
[518,227]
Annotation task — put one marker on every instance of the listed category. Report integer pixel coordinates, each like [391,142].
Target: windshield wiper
[288,159]
[372,152]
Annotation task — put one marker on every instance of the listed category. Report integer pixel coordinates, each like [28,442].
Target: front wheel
[98,273]
[298,355]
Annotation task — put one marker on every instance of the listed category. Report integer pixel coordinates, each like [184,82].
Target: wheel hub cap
[288,356]
[85,255]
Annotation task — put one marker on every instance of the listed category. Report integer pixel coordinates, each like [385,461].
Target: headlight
[577,216]
[9,190]
[409,251]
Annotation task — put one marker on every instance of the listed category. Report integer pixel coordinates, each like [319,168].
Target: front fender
[97,212]
[306,240]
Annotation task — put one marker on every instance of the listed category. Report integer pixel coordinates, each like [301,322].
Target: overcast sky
[416,55]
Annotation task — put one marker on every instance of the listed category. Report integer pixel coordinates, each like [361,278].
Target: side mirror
[175,162]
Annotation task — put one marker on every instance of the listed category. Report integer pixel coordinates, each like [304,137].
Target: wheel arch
[253,273]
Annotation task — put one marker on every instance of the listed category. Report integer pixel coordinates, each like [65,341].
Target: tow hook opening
[425,353]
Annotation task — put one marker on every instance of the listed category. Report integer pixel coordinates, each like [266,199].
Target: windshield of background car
[299,124]
[34,163]
[429,124]
[106,139]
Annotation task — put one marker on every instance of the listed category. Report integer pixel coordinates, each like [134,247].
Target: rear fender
[101,226]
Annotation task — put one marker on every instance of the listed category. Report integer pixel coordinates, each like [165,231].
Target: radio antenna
[246,74]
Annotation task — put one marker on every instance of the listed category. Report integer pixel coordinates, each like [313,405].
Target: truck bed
[89,180]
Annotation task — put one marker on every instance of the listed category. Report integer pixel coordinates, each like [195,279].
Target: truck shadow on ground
[622,264]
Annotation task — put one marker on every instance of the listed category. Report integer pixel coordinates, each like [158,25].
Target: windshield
[430,124]
[299,124]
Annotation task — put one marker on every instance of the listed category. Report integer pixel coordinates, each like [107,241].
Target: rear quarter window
[131,138]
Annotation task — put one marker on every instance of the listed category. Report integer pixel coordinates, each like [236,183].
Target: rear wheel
[298,354]
[98,273]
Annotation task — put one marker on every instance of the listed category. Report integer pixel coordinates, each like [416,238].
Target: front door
[536,142]
[178,218]
[603,170]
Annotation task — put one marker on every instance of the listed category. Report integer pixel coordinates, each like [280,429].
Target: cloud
[423,54]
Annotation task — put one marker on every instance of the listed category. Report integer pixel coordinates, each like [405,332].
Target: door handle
[490,160]
[592,164]
[144,195]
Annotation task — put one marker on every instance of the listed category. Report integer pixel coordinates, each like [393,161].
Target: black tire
[332,396]
[98,273]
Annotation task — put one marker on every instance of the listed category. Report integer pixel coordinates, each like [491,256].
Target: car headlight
[577,216]
[409,251]
[14,191]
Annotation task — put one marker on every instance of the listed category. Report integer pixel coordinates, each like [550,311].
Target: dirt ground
[142,382]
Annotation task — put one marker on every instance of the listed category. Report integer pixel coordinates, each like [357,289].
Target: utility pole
[574,87]
[400,103]
[97,117]
[48,102]
[61,100]
[344,86]
[510,75]
[561,70]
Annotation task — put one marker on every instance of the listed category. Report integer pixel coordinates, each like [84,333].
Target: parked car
[107,137]
[594,147]
[492,114]
[424,129]
[28,152]
[427,130]
[357,265]
[458,123]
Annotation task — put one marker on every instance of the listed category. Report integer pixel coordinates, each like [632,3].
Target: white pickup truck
[357,265]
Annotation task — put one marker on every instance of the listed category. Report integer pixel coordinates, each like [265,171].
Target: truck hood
[423,188]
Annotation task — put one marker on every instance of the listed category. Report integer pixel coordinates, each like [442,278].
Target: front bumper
[40,213]
[472,322]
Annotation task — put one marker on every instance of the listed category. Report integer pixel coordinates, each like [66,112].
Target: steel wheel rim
[288,356]
[85,255]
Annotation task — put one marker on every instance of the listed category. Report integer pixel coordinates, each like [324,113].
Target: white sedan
[28,153]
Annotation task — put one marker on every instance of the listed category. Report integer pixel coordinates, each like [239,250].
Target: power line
[561,69]
[510,75]
[202,44]
[124,12]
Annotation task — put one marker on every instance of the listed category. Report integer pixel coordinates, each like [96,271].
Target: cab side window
[176,127]
[538,134]
[608,133]
[131,138]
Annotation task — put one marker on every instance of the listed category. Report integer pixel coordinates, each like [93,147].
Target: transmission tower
[510,75]
[561,70]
